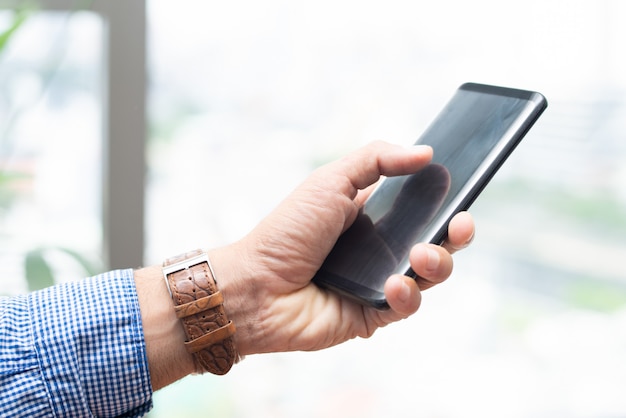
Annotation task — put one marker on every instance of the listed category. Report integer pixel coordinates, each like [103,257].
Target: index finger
[364,167]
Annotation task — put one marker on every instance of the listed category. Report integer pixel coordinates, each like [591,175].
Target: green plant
[19,17]
[40,272]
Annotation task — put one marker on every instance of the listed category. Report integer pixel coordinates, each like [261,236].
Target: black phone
[471,137]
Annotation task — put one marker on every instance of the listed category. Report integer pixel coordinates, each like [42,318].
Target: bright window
[50,146]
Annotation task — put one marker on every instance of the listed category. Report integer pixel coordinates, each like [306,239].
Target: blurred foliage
[597,208]
[39,271]
[600,208]
[598,296]
[8,191]
[20,16]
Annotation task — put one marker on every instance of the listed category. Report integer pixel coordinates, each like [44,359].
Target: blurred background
[110,112]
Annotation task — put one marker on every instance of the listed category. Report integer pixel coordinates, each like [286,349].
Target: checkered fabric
[74,350]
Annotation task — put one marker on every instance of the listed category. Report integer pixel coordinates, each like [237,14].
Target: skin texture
[266,276]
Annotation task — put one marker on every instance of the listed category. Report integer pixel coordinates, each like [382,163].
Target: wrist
[199,304]
[237,280]
[164,335]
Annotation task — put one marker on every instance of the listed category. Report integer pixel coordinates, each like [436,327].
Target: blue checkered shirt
[74,350]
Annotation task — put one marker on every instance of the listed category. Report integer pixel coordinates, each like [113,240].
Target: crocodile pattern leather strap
[199,304]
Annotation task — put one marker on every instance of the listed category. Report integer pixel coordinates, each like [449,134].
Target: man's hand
[266,277]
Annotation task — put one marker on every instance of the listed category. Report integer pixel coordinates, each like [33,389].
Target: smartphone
[471,137]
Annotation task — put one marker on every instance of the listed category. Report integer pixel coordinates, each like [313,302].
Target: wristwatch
[199,304]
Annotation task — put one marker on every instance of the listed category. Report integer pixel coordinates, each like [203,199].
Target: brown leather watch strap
[199,304]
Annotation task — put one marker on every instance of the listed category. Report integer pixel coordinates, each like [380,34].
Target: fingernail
[420,147]
[405,291]
[433,259]
[465,244]
[471,239]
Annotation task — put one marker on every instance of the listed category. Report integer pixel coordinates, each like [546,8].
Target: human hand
[266,277]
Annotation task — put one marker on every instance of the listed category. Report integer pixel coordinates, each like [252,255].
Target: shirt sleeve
[75,349]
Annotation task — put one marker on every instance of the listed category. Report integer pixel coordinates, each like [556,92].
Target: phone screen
[471,138]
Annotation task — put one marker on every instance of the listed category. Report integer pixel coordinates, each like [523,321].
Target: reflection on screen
[383,239]
[468,131]
[404,210]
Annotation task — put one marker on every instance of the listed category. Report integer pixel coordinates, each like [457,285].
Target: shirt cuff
[91,349]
